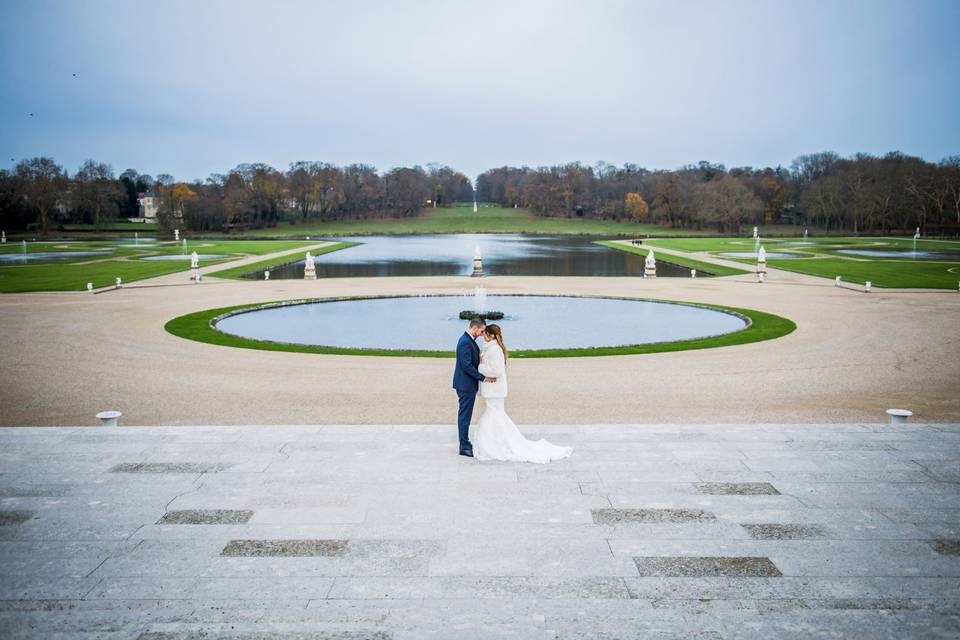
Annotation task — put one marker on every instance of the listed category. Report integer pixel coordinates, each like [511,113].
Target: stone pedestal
[310,272]
[477,268]
[650,271]
[761,266]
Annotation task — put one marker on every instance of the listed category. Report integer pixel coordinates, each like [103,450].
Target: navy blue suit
[466,380]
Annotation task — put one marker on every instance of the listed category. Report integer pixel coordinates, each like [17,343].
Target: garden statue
[309,268]
[194,260]
[755,231]
[650,266]
[477,263]
[176,235]
[762,260]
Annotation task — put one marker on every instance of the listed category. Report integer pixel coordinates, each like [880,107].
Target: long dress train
[495,436]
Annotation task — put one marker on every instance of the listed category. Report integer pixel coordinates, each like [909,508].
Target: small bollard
[836,282]
[693,273]
[197,278]
[899,416]
[760,277]
[89,286]
[266,274]
[109,418]
[867,288]
[118,283]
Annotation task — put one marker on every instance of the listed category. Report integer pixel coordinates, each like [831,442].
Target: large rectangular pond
[452,255]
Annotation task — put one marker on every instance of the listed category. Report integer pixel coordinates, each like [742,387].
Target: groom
[466,380]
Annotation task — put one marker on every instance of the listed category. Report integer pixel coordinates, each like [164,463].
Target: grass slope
[464,220]
[701,267]
[765,326]
[237,273]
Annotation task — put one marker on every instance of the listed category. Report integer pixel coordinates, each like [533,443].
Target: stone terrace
[648,531]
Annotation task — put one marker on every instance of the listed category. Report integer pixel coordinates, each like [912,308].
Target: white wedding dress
[495,436]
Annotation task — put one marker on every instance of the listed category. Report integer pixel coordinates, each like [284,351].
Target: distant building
[149,203]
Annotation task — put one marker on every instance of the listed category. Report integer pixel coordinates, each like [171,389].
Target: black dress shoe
[464,452]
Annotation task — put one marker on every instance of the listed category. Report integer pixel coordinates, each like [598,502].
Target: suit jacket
[466,377]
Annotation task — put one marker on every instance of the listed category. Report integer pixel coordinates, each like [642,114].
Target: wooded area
[39,194]
[860,194]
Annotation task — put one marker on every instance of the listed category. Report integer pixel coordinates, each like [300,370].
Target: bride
[495,436]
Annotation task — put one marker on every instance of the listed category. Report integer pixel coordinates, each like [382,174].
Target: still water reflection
[452,254]
[432,323]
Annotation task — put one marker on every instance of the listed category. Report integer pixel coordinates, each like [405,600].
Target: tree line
[859,194]
[40,194]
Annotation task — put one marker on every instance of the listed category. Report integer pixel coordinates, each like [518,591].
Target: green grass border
[199,326]
[714,270]
[237,273]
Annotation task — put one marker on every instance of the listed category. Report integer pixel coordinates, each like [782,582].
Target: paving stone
[206,516]
[34,491]
[706,566]
[494,587]
[287,548]
[437,546]
[265,635]
[616,516]
[169,467]
[8,518]
[946,546]
[772,531]
[737,488]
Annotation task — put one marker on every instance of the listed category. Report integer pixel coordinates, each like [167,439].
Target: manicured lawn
[924,274]
[746,243]
[237,273]
[250,247]
[123,262]
[463,220]
[74,277]
[197,326]
[113,226]
[701,267]
[898,272]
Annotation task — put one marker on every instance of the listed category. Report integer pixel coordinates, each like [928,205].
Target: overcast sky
[193,88]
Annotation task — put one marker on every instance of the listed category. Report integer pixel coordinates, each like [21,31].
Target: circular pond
[901,253]
[186,256]
[431,323]
[48,256]
[753,254]
[136,244]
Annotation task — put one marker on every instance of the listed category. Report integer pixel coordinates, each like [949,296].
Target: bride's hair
[494,330]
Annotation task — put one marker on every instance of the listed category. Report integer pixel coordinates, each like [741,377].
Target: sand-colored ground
[65,356]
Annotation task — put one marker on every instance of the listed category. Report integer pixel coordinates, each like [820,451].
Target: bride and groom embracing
[495,436]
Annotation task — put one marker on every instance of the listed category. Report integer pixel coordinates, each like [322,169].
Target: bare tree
[97,192]
[42,185]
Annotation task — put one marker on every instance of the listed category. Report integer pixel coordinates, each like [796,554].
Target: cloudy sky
[197,87]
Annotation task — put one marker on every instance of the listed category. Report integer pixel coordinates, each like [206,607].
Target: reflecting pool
[753,254]
[48,256]
[431,323]
[452,255]
[186,256]
[922,254]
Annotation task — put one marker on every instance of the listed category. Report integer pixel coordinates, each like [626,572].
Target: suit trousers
[467,400]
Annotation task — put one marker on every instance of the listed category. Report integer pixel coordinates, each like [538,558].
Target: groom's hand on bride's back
[489,379]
